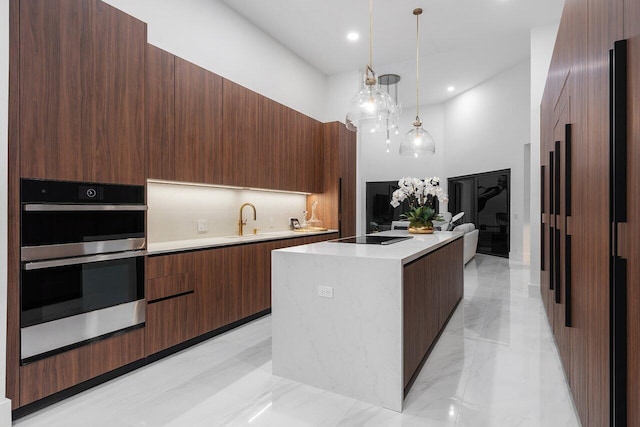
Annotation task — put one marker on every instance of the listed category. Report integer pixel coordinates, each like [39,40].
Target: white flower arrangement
[417,190]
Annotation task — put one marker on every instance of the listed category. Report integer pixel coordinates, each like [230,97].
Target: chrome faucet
[243,222]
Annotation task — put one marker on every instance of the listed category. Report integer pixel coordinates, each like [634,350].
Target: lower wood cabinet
[431,290]
[170,322]
[53,374]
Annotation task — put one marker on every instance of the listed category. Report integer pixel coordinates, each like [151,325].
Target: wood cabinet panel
[53,374]
[199,154]
[432,286]
[113,95]
[241,135]
[170,322]
[82,92]
[160,113]
[166,265]
[50,59]
[273,149]
[167,286]
[256,277]
[337,202]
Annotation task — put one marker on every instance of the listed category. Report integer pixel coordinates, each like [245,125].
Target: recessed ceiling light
[353,36]
[451,88]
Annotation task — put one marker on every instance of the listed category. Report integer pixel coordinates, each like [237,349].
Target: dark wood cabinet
[432,288]
[337,202]
[199,150]
[81,92]
[172,309]
[54,374]
[160,113]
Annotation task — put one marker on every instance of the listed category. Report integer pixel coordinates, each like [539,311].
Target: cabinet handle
[552,265]
[567,170]
[556,269]
[618,130]
[567,282]
[552,179]
[542,245]
[542,188]
[556,190]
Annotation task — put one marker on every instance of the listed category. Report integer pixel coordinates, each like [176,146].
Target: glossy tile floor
[495,365]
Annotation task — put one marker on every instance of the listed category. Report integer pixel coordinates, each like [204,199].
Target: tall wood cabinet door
[199,156]
[160,112]
[347,171]
[631,230]
[82,92]
[241,136]
[271,152]
[112,102]
[50,84]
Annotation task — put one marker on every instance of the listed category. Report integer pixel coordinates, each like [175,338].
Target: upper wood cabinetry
[337,203]
[199,152]
[160,113]
[81,92]
[269,145]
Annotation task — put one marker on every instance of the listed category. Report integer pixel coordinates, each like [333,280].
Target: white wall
[375,164]
[486,129]
[215,37]
[5,405]
[542,42]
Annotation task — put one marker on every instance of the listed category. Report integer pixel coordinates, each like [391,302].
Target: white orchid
[418,191]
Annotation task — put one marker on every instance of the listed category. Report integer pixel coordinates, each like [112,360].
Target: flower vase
[420,230]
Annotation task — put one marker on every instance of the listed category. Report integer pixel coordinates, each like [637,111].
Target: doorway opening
[485,199]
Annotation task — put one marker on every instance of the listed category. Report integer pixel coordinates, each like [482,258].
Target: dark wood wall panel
[160,113]
[48,376]
[13,208]
[631,244]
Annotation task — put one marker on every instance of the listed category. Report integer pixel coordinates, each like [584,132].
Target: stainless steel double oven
[82,253]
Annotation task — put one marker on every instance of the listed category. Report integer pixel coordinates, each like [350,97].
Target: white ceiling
[462,42]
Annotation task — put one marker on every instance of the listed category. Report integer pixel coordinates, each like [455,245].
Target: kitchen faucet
[243,222]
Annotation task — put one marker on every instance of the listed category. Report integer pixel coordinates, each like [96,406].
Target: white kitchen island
[361,319]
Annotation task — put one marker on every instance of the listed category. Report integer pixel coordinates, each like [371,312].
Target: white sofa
[470,240]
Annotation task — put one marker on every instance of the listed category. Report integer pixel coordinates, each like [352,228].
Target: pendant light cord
[417,12]
[371,34]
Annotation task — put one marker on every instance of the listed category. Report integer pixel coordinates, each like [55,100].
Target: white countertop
[404,251]
[212,242]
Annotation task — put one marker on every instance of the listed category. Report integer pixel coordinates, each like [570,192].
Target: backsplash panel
[174,211]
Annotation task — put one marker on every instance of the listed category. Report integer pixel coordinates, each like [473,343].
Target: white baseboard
[5,412]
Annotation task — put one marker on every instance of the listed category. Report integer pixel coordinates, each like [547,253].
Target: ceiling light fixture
[417,142]
[389,80]
[371,109]
[353,36]
[451,88]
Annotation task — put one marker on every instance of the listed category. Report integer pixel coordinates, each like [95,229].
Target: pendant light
[372,109]
[388,81]
[417,142]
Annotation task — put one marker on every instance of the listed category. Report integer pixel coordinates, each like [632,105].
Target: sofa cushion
[465,228]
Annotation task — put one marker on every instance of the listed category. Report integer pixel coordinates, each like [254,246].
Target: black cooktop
[373,240]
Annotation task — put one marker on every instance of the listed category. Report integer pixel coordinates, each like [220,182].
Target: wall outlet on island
[325,291]
[202,226]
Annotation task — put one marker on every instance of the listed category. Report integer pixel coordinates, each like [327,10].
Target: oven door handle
[38,265]
[42,207]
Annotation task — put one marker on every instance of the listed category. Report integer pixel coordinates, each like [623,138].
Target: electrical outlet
[202,226]
[325,291]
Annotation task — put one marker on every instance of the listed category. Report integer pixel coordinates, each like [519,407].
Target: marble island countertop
[211,242]
[404,251]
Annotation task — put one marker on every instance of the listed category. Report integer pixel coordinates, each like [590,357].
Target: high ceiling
[462,42]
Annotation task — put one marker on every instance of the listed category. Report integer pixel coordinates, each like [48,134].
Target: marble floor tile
[494,365]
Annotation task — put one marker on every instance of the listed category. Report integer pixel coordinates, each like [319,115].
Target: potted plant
[421,195]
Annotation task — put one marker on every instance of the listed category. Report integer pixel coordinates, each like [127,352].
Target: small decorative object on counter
[421,196]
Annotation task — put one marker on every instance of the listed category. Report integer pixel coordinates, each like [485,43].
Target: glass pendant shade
[417,142]
[372,110]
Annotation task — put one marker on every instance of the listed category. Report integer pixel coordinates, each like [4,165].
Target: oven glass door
[51,228]
[58,292]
